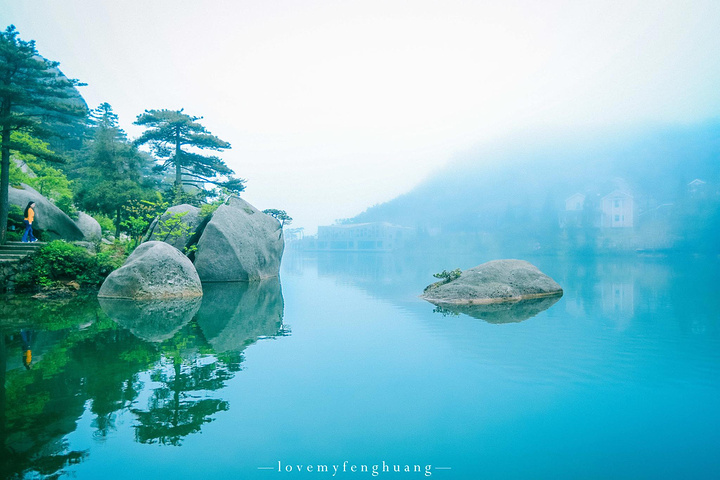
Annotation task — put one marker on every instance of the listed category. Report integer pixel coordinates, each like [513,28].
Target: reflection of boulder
[151,320]
[493,282]
[48,217]
[153,270]
[177,236]
[240,243]
[234,315]
[506,312]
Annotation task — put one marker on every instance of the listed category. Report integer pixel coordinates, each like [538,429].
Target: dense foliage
[280,215]
[59,261]
[81,160]
[34,98]
[110,171]
[176,139]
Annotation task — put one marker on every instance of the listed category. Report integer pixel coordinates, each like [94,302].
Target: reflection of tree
[88,362]
[41,406]
[47,314]
[96,362]
[110,364]
[176,408]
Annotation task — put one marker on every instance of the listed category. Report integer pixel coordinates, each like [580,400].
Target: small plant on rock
[445,277]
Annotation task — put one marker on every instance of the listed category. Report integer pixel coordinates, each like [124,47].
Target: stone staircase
[13,252]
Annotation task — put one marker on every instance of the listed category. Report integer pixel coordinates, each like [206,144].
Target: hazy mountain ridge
[531,175]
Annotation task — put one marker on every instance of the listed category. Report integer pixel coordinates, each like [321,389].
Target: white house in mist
[575,202]
[573,213]
[616,209]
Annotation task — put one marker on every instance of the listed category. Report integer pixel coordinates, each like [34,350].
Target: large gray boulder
[24,167]
[153,270]
[90,227]
[178,235]
[239,244]
[494,282]
[48,217]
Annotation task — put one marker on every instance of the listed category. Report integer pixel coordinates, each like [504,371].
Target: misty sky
[333,106]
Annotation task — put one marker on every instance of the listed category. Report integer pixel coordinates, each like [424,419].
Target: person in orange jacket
[29,217]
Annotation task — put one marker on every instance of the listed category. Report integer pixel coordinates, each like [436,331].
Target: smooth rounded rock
[48,217]
[153,270]
[90,227]
[239,244]
[494,282]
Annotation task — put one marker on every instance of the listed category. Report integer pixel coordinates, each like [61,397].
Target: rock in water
[239,244]
[48,217]
[494,282]
[153,270]
[176,235]
[89,227]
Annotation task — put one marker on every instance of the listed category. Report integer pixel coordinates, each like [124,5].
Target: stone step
[13,248]
[5,261]
[20,253]
[26,244]
[13,255]
[13,252]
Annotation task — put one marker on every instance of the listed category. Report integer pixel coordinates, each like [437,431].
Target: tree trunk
[4,184]
[178,161]
[117,224]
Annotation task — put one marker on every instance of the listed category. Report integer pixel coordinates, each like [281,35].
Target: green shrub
[106,223]
[207,209]
[445,277]
[59,261]
[171,228]
[448,276]
[15,225]
[65,203]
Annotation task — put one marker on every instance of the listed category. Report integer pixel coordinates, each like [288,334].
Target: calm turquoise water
[618,379]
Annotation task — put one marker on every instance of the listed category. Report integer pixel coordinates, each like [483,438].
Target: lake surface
[342,362]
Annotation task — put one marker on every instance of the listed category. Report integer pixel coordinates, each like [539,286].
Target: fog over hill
[518,185]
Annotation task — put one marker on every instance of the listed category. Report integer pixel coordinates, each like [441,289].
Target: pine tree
[33,96]
[175,138]
[110,172]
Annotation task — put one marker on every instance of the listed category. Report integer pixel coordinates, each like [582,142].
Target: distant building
[696,183]
[616,209]
[573,213]
[697,188]
[575,203]
[376,237]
